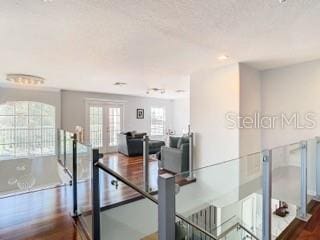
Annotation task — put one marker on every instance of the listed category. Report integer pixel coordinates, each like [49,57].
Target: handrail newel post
[146,162]
[317,197]
[266,194]
[75,212]
[166,207]
[64,149]
[96,231]
[302,213]
[191,160]
[58,143]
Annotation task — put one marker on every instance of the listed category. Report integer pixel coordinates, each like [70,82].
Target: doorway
[105,122]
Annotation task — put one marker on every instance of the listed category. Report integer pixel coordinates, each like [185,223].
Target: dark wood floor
[299,230]
[46,214]
[131,169]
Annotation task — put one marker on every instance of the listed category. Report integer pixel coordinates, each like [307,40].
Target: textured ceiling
[90,44]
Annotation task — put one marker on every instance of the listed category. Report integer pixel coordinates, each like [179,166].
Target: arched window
[26,129]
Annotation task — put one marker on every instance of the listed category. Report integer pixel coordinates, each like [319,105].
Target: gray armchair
[175,158]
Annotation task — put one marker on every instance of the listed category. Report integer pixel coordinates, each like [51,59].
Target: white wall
[181,115]
[291,89]
[73,109]
[283,90]
[249,138]
[213,93]
[250,103]
[70,107]
[51,97]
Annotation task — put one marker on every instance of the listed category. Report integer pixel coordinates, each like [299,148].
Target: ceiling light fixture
[120,84]
[223,57]
[156,90]
[24,79]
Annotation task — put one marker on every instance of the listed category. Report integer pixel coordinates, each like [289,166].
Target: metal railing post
[74,176]
[191,156]
[266,194]
[96,231]
[166,208]
[302,211]
[146,162]
[317,197]
[58,147]
[64,148]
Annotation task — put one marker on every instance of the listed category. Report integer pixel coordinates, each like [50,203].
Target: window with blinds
[157,121]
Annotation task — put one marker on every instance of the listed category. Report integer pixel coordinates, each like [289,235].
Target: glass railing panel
[127,216]
[136,176]
[226,227]
[33,171]
[311,167]
[232,230]
[84,179]
[187,231]
[84,162]
[30,173]
[222,192]
[239,233]
[247,210]
[286,167]
[61,146]
[69,151]
[217,185]
[220,196]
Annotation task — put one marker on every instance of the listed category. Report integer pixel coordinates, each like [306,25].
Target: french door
[114,125]
[105,123]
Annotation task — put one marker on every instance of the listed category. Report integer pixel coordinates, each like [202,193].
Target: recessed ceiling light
[282,1]
[223,57]
[24,79]
[180,91]
[120,84]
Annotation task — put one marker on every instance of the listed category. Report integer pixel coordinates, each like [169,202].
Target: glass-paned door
[96,126]
[114,124]
[105,123]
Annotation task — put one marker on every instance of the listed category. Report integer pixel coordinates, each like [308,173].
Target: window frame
[153,127]
[112,124]
[105,103]
[101,125]
[30,144]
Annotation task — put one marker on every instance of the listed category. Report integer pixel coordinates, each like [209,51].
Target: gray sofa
[131,144]
[175,158]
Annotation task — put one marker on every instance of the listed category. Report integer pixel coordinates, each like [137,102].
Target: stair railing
[165,202]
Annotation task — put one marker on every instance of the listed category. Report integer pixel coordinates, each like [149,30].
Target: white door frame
[106,126]
[105,103]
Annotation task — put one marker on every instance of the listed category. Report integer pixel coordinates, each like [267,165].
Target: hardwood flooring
[46,214]
[38,215]
[299,230]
